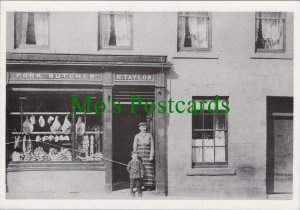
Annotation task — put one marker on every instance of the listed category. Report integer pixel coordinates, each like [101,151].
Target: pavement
[121,191]
[124,194]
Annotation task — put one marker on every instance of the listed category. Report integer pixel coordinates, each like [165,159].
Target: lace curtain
[269,30]
[193,30]
[38,32]
[115,30]
[41,28]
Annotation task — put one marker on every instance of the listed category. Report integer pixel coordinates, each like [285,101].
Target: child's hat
[133,152]
[142,124]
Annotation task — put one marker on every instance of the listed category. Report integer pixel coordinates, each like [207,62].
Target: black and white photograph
[136,102]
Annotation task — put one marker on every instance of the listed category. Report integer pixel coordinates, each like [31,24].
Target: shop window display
[42,128]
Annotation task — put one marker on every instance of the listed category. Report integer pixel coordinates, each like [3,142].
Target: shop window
[209,133]
[269,35]
[31,29]
[194,31]
[115,30]
[42,128]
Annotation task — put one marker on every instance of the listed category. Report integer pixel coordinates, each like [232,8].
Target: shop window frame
[31,46]
[283,50]
[209,35]
[210,164]
[51,164]
[101,46]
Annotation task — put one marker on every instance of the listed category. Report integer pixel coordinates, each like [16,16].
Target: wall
[247,82]
[231,69]
[33,184]
[76,32]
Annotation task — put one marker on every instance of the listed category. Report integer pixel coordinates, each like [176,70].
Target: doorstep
[125,192]
[279,196]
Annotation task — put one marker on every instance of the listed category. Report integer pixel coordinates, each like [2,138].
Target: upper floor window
[115,30]
[269,35]
[194,31]
[209,133]
[31,29]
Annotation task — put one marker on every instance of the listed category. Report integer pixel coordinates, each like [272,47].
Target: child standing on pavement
[136,171]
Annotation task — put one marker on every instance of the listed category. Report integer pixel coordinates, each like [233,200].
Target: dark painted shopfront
[46,141]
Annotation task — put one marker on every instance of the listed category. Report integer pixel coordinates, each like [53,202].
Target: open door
[125,127]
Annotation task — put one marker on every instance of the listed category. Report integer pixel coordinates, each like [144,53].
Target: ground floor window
[209,134]
[42,128]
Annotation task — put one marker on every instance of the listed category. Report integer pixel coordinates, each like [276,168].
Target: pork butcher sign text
[53,76]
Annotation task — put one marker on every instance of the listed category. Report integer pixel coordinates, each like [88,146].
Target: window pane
[211,105]
[197,142]
[197,135]
[197,121]
[30,33]
[193,30]
[208,154]
[198,14]
[31,29]
[197,154]
[208,142]
[202,135]
[41,28]
[115,30]
[269,31]
[220,138]
[220,154]
[270,14]
[208,135]
[208,122]
[219,121]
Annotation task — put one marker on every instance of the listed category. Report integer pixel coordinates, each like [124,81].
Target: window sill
[196,55]
[32,46]
[115,48]
[211,172]
[31,50]
[287,56]
[55,166]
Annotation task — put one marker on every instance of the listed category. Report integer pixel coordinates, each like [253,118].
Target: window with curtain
[194,31]
[31,29]
[209,136]
[269,35]
[115,30]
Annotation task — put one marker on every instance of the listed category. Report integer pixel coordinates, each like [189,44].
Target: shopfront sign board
[54,77]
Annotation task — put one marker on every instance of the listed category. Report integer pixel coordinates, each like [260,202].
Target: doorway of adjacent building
[280,145]
[125,126]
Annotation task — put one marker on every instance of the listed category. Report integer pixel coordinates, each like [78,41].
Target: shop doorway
[125,126]
[280,145]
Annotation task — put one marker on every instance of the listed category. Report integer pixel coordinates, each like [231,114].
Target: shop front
[53,149]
